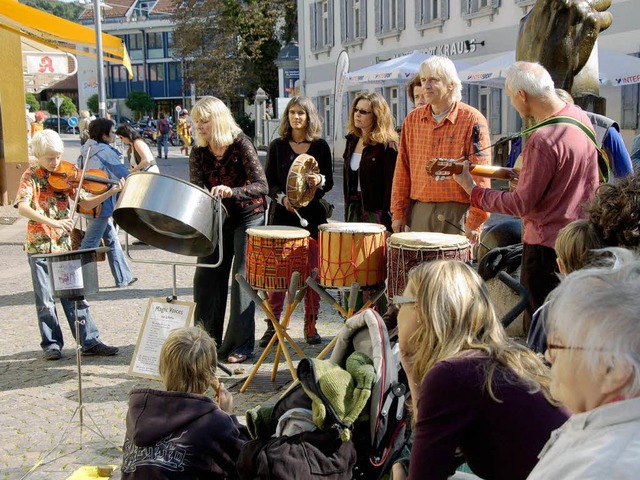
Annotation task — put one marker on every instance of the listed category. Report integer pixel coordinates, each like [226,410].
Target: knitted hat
[338,395]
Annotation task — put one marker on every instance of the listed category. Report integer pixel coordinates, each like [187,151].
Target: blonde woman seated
[182,433]
[594,351]
[478,397]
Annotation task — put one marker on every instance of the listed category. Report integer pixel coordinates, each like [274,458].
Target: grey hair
[532,78]
[443,68]
[597,310]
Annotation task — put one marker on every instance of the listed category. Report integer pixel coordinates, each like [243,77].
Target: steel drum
[169,213]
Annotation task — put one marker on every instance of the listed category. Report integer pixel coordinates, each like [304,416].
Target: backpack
[164,126]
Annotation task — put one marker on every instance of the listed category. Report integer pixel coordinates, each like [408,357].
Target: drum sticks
[444,220]
[303,222]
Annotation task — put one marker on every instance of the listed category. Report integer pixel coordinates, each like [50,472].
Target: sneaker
[131,282]
[165,157]
[52,354]
[101,350]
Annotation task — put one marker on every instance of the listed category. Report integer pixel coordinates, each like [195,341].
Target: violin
[67,177]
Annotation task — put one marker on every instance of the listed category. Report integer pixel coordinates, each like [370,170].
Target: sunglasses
[399,300]
[361,111]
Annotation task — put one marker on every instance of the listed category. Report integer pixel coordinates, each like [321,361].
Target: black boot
[268,334]
[310,333]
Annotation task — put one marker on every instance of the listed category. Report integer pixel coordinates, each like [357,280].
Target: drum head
[352,227]
[427,240]
[299,192]
[277,231]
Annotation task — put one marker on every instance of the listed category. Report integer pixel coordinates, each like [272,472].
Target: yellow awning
[55,31]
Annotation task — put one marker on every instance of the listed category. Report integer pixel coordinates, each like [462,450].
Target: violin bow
[74,211]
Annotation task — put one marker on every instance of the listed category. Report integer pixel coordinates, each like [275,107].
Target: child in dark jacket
[181,433]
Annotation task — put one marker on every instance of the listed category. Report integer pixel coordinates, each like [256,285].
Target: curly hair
[383,130]
[415,82]
[615,211]
[314,124]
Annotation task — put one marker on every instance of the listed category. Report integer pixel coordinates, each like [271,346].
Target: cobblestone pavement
[38,397]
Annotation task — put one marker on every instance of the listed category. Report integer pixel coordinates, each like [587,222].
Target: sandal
[236,358]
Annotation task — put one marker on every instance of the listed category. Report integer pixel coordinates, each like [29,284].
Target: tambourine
[299,191]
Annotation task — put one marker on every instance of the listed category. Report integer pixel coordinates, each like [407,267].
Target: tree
[229,47]
[66,108]
[140,102]
[92,103]
[31,100]
[69,11]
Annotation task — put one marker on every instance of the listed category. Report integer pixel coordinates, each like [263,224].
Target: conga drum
[351,252]
[408,249]
[274,252]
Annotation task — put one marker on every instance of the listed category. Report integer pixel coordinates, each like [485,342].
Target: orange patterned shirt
[461,134]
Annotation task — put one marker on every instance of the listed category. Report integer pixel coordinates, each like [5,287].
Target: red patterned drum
[351,252]
[274,252]
[409,249]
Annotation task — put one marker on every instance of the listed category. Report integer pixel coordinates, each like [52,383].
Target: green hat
[338,395]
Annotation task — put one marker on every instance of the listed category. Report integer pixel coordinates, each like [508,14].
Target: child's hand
[65,224]
[224,398]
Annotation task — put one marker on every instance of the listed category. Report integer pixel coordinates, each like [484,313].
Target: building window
[118,74]
[391,95]
[174,71]
[431,13]
[138,73]
[479,8]
[143,8]
[321,18]
[389,17]
[353,21]
[135,41]
[156,72]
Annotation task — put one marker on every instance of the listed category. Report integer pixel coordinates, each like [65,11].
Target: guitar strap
[604,168]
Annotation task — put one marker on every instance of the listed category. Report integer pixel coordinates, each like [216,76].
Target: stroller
[362,447]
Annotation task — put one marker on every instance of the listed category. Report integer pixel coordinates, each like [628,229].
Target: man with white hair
[559,174]
[444,128]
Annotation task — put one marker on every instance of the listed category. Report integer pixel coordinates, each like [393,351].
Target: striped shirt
[462,134]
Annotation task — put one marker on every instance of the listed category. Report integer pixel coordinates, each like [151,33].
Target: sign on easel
[159,321]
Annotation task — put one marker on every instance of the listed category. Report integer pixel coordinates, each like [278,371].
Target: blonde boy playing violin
[48,231]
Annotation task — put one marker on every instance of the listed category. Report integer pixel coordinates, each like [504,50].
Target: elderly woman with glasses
[369,160]
[594,351]
[478,397]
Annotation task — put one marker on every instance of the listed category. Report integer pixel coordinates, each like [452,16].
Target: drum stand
[280,327]
[353,296]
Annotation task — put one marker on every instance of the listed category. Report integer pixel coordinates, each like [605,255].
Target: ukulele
[443,168]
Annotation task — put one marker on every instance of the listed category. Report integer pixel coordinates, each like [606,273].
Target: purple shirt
[559,173]
[499,440]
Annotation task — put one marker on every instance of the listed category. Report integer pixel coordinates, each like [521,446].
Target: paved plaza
[39,397]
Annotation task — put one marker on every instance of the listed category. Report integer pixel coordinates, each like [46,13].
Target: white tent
[615,68]
[397,71]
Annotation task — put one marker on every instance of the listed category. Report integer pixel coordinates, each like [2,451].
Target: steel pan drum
[169,213]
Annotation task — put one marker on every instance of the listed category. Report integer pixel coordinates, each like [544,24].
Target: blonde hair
[188,360]
[224,129]
[444,69]
[455,315]
[46,141]
[85,114]
[314,124]
[576,243]
[383,129]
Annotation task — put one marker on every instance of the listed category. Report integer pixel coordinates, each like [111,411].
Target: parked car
[52,124]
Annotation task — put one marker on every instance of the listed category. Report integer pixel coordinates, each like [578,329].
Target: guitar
[443,168]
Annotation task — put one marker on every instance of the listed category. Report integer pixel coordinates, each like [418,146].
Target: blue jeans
[102,227]
[210,288]
[50,330]
[163,139]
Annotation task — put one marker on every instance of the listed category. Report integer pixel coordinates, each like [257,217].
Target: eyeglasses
[399,300]
[361,111]
[550,355]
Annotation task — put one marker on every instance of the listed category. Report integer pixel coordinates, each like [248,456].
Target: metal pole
[102,94]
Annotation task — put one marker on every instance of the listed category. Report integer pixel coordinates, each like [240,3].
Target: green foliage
[31,100]
[141,103]
[93,103]
[246,123]
[70,11]
[230,46]
[66,108]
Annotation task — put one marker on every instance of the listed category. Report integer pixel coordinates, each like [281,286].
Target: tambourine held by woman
[299,191]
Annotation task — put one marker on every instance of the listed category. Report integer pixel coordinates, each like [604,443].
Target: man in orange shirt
[445,128]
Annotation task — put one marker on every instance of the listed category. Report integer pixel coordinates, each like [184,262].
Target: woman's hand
[314,179]
[224,399]
[287,204]
[222,191]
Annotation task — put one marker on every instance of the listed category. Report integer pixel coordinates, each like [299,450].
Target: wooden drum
[351,252]
[274,252]
[408,249]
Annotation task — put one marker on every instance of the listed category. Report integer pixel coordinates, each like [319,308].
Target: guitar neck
[490,171]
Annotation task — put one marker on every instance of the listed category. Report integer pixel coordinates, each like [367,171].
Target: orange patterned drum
[274,252]
[408,249]
[351,252]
